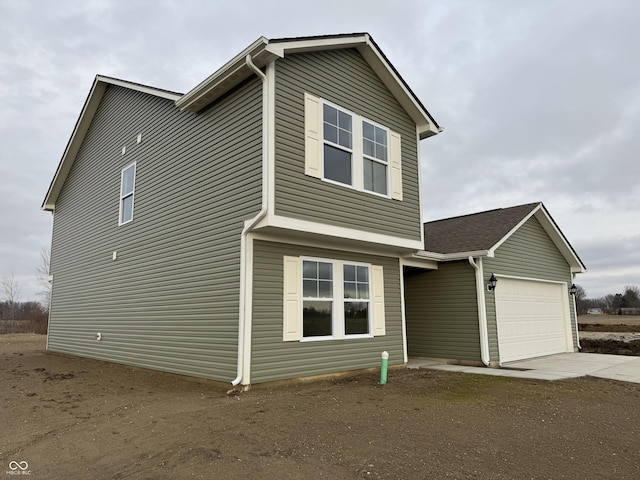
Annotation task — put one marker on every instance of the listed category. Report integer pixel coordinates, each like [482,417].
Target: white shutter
[377,292]
[395,162]
[291,303]
[312,136]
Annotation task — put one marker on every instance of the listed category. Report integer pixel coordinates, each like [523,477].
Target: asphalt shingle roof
[478,231]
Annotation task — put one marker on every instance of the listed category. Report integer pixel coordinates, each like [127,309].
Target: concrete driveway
[553,367]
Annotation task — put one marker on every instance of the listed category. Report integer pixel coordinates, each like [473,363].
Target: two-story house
[256,228]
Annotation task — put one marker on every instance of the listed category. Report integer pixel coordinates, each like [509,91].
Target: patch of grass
[456,387]
[472,387]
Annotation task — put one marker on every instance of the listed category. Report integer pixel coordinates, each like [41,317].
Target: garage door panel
[531,317]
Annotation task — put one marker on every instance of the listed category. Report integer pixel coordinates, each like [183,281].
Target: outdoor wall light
[573,289]
[493,281]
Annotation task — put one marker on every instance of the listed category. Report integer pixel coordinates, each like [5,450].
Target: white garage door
[532,319]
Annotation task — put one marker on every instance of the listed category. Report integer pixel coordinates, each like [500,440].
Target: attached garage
[533,319]
[452,314]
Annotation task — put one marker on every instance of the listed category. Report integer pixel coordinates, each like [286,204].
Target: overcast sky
[539,100]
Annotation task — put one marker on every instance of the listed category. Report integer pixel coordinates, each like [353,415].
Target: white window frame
[352,151]
[386,163]
[293,300]
[124,196]
[315,142]
[337,310]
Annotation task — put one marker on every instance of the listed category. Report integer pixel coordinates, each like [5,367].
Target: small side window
[127,190]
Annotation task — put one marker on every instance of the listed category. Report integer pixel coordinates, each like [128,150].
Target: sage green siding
[442,313]
[170,299]
[343,78]
[273,359]
[528,253]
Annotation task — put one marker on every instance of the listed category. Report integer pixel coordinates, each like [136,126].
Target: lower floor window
[332,299]
[335,299]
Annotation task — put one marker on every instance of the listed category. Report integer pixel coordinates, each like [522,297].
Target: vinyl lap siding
[442,313]
[273,359]
[344,78]
[529,253]
[170,300]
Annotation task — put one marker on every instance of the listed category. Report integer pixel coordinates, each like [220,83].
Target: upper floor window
[345,148]
[375,164]
[127,190]
[338,146]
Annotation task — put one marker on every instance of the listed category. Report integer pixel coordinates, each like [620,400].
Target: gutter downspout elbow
[249,225]
[482,312]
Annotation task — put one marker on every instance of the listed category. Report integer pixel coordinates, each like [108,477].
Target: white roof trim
[89,109]
[140,88]
[557,237]
[447,257]
[226,77]
[264,51]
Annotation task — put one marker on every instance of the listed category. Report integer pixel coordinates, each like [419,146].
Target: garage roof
[480,234]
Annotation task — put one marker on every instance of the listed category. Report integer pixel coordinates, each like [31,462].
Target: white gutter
[482,311]
[244,321]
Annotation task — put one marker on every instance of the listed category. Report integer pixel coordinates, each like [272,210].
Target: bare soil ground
[619,324]
[70,417]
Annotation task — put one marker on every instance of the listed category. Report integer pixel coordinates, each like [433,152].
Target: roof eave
[264,51]
[449,257]
[554,232]
[563,245]
[226,77]
[89,109]
[73,145]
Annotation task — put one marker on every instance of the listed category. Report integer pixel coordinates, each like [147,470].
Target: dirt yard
[73,418]
[610,334]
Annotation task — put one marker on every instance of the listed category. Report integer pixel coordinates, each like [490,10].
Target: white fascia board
[89,109]
[139,88]
[554,233]
[559,239]
[419,263]
[281,48]
[73,145]
[306,226]
[448,257]
[369,249]
[514,229]
[226,77]
[426,127]
[378,63]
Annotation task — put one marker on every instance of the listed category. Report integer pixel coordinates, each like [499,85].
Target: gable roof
[100,84]
[480,234]
[263,51]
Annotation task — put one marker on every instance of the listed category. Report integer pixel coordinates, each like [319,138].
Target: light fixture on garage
[493,281]
[573,289]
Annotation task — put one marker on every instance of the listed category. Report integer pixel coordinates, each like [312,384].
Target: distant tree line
[618,303]
[25,317]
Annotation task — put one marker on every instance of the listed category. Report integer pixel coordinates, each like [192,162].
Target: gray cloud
[539,100]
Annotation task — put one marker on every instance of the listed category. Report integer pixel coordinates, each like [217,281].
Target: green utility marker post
[383,370]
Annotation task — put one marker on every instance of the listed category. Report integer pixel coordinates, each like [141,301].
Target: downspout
[244,329]
[575,314]
[482,312]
